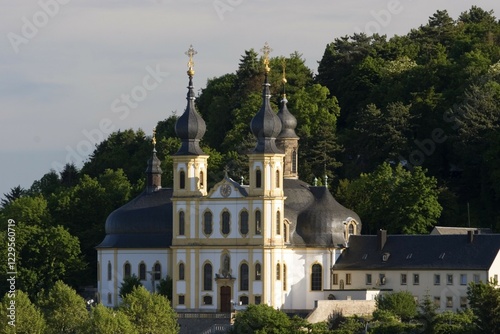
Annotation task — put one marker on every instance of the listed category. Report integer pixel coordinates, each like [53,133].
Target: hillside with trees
[406,127]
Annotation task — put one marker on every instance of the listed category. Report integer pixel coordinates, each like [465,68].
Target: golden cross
[266,50]
[283,65]
[190,53]
[154,137]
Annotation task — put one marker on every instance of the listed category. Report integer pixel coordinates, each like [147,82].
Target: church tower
[287,140]
[190,162]
[266,192]
[153,171]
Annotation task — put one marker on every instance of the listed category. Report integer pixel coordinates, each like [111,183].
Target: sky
[74,71]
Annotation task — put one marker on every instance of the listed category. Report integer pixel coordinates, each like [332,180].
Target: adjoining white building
[270,241]
[438,266]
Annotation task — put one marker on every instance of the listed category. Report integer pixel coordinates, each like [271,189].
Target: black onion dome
[144,222]
[288,121]
[190,127]
[322,223]
[266,125]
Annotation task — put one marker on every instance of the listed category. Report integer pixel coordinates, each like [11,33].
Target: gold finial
[190,53]
[266,50]
[154,137]
[283,79]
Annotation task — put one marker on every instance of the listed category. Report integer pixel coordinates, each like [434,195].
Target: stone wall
[347,307]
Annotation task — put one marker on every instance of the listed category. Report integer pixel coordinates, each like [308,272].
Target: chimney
[470,236]
[382,238]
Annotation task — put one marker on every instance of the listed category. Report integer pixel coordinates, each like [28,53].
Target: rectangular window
[463,279]
[368,279]
[463,302]
[244,300]
[416,279]
[437,279]
[449,302]
[207,300]
[258,300]
[449,279]
[335,279]
[181,299]
[495,279]
[476,278]
[381,278]
[403,279]
[348,279]
[437,301]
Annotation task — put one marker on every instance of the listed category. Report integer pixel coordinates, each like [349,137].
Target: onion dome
[190,126]
[288,121]
[322,224]
[266,125]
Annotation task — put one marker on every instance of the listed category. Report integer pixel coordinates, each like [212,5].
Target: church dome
[323,222]
[144,222]
[288,121]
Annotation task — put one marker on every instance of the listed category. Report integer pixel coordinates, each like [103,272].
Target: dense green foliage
[406,128]
[129,284]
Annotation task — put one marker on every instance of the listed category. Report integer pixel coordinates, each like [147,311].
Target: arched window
[351,228]
[244,222]
[244,277]
[126,270]
[182,223]
[285,232]
[157,271]
[182,179]
[277,178]
[207,277]
[278,272]
[110,269]
[278,223]
[110,298]
[226,217]
[316,277]
[181,271]
[202,180]
[258,178]
[258,223]
[142,271]
[258,272]
[207,223]
[284,277]
[294,161]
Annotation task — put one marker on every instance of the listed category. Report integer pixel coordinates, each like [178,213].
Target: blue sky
[74,70]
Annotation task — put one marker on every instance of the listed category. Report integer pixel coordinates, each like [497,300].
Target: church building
[271,240]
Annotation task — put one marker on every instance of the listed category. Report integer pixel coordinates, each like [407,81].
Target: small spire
[315,182]
[242,179]
[190,53]
[283,79]
[226,170]
[326,181]
[153,140]
[266,50]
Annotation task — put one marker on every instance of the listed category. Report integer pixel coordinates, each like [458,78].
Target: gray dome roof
[190,127]
[266,125]
[319,218]
[288,121]
[144,222]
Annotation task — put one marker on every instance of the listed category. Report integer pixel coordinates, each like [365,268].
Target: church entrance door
[225,299]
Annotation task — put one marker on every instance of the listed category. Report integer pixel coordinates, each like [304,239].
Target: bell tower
[190,162]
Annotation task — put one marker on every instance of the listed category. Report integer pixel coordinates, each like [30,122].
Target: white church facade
[272,240]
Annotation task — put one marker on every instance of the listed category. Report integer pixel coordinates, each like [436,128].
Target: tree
[103,320]
[44,255]
[64,310]
[29,210]
[401,304]
[12,195]
[460,322]
[392,198]
[484,301]
[28,318]
[149,313]
[129,284]
[261,319]
[165,287]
